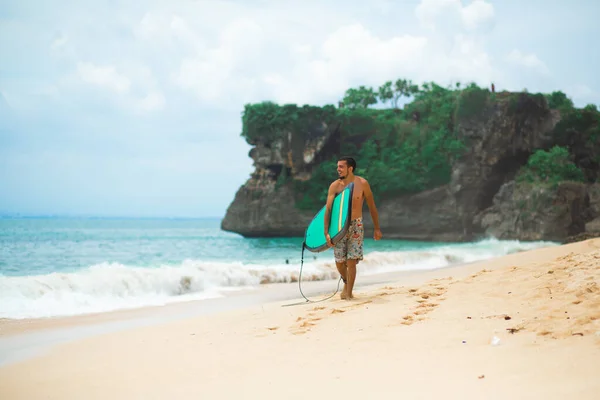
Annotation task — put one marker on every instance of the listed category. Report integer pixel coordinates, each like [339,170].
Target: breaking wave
[111,286]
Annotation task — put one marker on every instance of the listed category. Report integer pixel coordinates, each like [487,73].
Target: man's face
[342,169]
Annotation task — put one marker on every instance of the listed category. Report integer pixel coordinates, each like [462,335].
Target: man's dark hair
[350,162]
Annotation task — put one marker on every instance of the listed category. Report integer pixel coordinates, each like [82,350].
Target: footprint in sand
[302,328]
[269,328]
[303,324]
[427,305]
[423,298]
[421,312]
[389,291]
[477,274]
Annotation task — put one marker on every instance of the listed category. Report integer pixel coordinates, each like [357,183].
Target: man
[349,250]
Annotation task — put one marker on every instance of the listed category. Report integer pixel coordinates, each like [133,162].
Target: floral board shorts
[351,245]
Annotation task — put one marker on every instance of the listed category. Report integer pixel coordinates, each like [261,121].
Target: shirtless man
[349,251]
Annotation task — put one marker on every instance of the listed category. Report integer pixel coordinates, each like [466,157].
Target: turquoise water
[68,266]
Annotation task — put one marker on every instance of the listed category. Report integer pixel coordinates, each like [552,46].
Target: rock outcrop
[482,198]
[529,212]
[262,207]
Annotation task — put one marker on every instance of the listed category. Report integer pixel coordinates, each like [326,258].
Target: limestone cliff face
[592,211]
[529,212]
[499,142]
[262,208]
[481,199]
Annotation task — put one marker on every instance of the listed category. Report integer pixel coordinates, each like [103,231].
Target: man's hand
[377,235]
[328,238]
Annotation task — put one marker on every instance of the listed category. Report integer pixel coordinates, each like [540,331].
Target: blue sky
[132,108]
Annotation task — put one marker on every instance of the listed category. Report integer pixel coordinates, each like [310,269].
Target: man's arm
[372,208]
[328,205]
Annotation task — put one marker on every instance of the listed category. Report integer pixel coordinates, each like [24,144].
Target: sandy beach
[523,326]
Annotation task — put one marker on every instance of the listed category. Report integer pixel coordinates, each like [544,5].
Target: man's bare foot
[343,295]
[350,296]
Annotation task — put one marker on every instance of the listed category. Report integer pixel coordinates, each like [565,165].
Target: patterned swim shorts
[351,245]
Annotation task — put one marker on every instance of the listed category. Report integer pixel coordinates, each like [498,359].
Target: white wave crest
[106,287]
[112,286]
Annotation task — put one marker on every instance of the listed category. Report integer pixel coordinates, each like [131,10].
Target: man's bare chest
[357,191]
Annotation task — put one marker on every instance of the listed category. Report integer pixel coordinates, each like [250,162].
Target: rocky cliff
[485,192]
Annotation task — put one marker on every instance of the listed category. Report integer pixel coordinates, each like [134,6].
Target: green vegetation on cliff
[550,167]
[394,152]
[403,151]
[267,122]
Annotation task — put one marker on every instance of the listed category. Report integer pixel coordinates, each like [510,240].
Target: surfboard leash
[300,281]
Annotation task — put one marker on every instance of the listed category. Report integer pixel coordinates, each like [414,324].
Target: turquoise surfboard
[341,212]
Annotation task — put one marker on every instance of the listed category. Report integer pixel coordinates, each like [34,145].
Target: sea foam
[112,286]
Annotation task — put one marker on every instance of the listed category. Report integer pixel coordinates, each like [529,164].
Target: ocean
[71,266]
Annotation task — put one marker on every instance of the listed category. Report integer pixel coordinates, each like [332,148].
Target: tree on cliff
[362,97]
[559,100]
[402,88]
[552,166]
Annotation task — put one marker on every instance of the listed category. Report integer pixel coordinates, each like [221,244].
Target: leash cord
[300,281]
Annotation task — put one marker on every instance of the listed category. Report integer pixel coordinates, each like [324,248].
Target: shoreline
[110,286]
[22,339]
[430,317]
[7,322]
[263,294]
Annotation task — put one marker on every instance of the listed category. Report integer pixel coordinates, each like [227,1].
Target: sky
[133,108]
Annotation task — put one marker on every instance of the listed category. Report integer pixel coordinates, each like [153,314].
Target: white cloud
[437,14]
[267,55]
[105,76]
[246,55]
[230,55]
[428,11]
[168,30]
[135,86]
[530,60]
[350,55]
[476,14]
[229,69]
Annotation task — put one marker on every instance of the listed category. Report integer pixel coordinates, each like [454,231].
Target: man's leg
[351,276]
[342,269]
[355,253]
[340,262]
